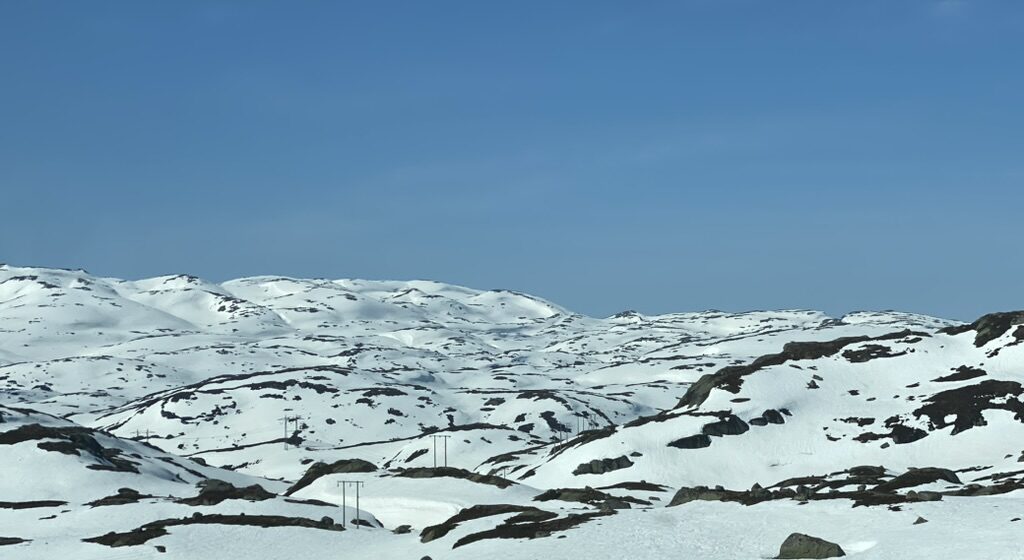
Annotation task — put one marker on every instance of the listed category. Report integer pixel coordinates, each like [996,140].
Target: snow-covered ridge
[255,380]
[209,369]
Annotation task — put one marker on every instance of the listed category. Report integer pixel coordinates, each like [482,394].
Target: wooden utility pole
[287,434]
[445,439]
[344,502]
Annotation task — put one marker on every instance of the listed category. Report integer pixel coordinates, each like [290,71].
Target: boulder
[799,545]
[730,426]
[773,417]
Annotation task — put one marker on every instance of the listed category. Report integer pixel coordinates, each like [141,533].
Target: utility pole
[445,438]
[287,434]
[344,502]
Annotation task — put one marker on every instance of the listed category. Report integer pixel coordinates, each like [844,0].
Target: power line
[287,435]
[344,505]
[445,438]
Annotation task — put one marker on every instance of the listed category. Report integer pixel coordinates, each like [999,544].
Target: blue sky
[658,156]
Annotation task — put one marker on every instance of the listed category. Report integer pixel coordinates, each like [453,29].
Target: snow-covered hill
[161,384]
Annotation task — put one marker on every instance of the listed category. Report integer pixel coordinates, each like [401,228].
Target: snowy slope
[254,381]
[211,370]
[910,398]
[63,483]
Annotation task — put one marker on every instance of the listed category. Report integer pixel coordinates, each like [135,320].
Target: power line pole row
[445,439]
[564,432]
[344,502]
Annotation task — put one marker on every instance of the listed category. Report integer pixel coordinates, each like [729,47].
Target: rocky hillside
[477,419]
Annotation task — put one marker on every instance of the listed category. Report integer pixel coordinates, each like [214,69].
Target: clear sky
[658,156]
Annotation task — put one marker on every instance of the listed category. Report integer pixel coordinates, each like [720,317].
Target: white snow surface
[190,380]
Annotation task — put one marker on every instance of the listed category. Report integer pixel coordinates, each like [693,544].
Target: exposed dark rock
[730,378]
[968,403]
[686,495]
[798,545]
[402,529]
[416,454]
[904,434]
[730,426]
[213,491]
[642,486]
[319,503]
[917,477]
[988,327]
[553,424]
[438,531]
[32,504]
[588,496]
[798,481]
[581,439]
[135,537]
[773,417]
[923,496]
[691,442]
[860,422]
[961,373]
[899,434]
[601,466]
[979,490]
[71,440]
[322,469]
[530,530]
[156,529]
[867,471]
[123,496]
[872,486]
[11,540]
[871,352]
[452,472]
[755,495]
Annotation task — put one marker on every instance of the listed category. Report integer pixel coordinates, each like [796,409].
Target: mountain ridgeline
[471,418]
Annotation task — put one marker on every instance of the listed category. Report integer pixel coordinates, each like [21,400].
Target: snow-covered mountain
[550,423]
